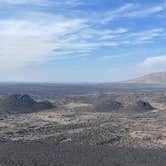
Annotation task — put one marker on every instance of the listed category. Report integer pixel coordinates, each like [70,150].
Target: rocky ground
[46,153]
[76,133]
[115,129]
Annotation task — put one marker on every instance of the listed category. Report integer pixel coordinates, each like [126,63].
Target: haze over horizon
[80,40]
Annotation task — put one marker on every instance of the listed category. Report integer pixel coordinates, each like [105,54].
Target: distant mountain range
[153,78]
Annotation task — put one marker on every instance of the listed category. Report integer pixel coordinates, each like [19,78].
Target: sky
[81,40]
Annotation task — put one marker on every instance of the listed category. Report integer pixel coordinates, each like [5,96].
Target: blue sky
[81,40]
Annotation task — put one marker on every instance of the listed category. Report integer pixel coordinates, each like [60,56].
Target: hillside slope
[153,78]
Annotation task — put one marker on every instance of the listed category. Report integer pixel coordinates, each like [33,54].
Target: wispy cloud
[36,41]
[146,12]
[133,11]
[37,36]
[133,38]
[145,36]
[28,41]
[71,3]
[117,13]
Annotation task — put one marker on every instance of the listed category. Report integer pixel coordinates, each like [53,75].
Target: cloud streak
[69,3]
[130,11]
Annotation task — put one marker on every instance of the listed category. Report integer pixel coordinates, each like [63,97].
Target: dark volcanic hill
[107,105]
[22,104]
[111,105]
[154,78]
[139,106]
